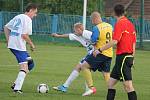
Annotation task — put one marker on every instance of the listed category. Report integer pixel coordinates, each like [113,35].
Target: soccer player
[17,32]
[101,35]
[125,38]
[82,36]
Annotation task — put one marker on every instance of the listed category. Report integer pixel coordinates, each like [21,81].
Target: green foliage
[71,7]
[9,5]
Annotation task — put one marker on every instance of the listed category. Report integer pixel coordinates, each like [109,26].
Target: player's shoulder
[95,28]
[87,32]
[24,17]
[72,35]
[107,24]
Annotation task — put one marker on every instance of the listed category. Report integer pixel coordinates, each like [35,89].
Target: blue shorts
[101,62]
[21,56]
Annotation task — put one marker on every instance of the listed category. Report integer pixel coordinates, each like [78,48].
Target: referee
[124,37]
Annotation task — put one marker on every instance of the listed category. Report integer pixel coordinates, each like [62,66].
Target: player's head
[31,10]
[119,10]
[78,28]
[96,18]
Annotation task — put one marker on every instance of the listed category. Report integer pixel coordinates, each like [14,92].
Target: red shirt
[125,34]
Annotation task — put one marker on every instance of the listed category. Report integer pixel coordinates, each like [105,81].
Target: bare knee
[82,66]
[24,67]
[78,67]
[106,76]
[111,83]
[128,86]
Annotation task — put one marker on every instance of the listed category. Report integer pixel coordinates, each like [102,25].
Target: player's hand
[32,47]
[95,53]
[54,35]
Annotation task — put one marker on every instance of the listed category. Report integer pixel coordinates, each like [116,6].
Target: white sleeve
[9,25]
[87,34]
[72,37]
[27,26]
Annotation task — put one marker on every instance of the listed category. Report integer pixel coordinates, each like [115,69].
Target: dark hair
[31,6]
[119,10]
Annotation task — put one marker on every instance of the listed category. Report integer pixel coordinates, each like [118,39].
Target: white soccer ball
[42,88]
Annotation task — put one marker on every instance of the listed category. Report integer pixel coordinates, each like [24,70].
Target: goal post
[84,13]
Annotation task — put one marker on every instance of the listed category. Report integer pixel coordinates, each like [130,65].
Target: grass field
[53,65]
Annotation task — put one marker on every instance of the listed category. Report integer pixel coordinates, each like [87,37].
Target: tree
[71,7]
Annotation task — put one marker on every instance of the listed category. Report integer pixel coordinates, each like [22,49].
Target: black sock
[111,94]
[132,95]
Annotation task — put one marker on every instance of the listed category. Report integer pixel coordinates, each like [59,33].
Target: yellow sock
[88,77]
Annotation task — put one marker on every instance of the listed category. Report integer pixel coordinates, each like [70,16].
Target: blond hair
[78,25]
[95,14]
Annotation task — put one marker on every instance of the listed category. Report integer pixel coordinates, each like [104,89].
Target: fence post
[1,22]
[141,24]
[54,23]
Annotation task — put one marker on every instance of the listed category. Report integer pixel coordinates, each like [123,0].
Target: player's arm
[28,40]
[7,29]
[95,35]
[60,35]
[7,32]
[134,43]
[105,47]
[109,45]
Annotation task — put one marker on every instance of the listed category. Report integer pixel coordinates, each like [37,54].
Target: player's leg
[114,77]
[30,63]
[127,78]
[74,74]
[21,76]
[128,86]
[88,77]
[106,76]
[111,91]
[93,63]
[106,69]
[87,73]
[21,58]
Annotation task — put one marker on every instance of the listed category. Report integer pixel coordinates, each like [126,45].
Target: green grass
[53,65]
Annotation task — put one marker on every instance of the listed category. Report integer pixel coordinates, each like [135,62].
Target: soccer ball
[42,88]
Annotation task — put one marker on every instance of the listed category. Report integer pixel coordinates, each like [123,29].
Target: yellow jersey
[105,35]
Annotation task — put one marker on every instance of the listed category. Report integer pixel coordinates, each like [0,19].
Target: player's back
[105,35]
[128,35]
[20,24]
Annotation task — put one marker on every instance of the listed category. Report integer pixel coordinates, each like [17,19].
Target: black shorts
[101,62]
[122,68]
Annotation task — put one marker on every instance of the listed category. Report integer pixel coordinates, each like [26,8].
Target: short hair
[76,25]
[30,6]
[119,10]
[95,14]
